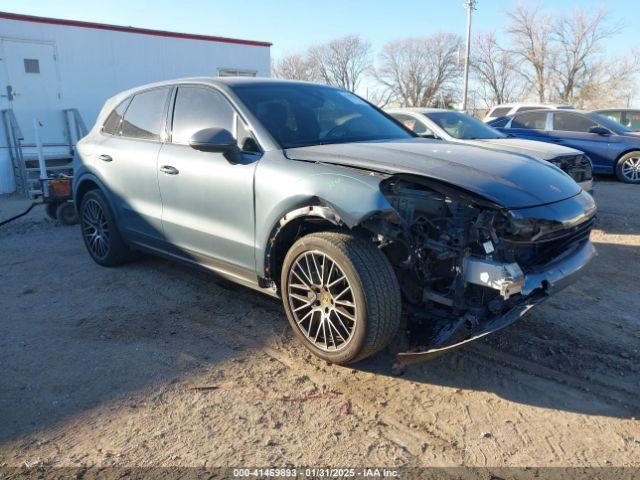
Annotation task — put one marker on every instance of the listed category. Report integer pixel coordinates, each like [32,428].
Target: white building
[49,66]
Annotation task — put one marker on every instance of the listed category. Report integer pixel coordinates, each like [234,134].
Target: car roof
[217,81]
[417,109]
[546,110]
[531,104]
[616,110]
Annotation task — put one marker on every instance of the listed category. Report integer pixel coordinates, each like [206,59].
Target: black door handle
[169,170]
[105,158]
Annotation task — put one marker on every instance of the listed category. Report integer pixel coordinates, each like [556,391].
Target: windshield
[299,115]
[610,124]
[463,126]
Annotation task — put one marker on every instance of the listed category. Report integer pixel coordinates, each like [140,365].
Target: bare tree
[496,71]
[609,82]
[578,38]
[293,67]
[420,71]
[342,62]
[531,34]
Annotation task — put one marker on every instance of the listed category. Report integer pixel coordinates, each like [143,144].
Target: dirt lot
[98,367]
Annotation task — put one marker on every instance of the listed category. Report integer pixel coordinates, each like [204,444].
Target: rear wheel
[51,208]
[628,168]
[100,233]
[66,214]
[341,296]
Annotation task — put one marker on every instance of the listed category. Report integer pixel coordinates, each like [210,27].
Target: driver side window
[197,108]
[568,122]
[415,125]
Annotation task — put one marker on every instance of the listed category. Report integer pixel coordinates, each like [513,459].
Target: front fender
[283,186]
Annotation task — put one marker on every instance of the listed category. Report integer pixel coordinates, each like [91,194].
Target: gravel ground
[156,364]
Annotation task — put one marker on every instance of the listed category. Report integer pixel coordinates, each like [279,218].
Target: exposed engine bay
[466,267]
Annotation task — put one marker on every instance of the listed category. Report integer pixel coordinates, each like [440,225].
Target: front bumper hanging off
[535,287]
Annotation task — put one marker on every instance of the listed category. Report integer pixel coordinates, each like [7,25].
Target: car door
[126,162]
[572,130]
[532,125]
[208,212]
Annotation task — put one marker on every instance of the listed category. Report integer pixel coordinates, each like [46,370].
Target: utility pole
[470,5]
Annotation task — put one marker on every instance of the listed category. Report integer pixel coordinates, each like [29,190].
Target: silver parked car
[309,193]
[459,127]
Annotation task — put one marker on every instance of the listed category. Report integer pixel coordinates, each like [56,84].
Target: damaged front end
[468,267]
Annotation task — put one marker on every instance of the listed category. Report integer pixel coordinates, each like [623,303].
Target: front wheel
[341,296]
[628,168]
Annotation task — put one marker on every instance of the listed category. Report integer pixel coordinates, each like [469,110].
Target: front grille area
[544,250]
[577,167]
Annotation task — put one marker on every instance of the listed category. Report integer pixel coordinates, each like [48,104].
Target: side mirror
[216,140]
[599,130]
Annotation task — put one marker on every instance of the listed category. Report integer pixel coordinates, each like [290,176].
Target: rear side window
[500,111]
[530,120]
[568,122]
[197,108]
[112,124]
[143,118]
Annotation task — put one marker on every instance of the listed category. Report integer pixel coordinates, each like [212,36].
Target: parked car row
[366,231]
[612,147]
[457,127]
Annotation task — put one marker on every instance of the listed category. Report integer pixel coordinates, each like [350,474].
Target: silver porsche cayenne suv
[309,193]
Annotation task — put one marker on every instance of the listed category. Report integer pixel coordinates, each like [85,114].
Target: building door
[31,87]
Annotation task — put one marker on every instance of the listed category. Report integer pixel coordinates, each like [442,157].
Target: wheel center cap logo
[326,298]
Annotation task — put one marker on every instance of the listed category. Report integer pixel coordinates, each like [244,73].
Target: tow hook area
[507,278]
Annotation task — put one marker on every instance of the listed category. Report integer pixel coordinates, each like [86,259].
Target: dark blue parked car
[612,147]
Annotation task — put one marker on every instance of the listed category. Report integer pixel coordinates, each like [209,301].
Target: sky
[293,25]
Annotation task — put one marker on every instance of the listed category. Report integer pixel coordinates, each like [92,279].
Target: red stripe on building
[118,28]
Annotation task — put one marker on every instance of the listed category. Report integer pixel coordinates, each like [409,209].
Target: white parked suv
[512,108]
[457,127]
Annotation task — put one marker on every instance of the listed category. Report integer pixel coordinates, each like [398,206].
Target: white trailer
[56,74]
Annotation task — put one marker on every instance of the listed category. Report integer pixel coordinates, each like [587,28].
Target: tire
[66,214]
[365,318]
[51,209]
[97,220]
[628,168]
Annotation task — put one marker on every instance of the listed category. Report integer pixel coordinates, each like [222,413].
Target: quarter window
[197,108]
[568,122]
[246,140]
[143,118]
[530,120]
[112,124]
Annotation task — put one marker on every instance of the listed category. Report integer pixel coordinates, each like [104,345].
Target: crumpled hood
[508,179]
[542,150]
